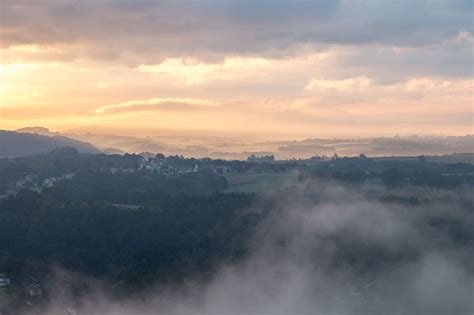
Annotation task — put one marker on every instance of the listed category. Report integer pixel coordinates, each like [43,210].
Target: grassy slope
[259,182]
[4,297]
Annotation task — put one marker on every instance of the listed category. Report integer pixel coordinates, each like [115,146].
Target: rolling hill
[14,144]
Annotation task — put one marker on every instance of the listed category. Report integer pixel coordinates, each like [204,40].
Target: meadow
[260,182]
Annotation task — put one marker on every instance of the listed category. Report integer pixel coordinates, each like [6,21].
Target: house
[4,280]
[49,182]
[34,290]
[222,169]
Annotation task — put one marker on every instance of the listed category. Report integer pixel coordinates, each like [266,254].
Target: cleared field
[259,182]
[4,298]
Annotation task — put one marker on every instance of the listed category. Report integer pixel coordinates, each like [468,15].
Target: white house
[4,280]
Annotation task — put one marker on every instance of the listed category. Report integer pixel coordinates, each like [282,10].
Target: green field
[259,182]
[4,298]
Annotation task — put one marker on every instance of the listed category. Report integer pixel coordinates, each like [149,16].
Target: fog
[325,250]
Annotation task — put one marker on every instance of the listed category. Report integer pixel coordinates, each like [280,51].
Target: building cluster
[171,166]
[4,292]
[160,166]
[261,158]
[52,181]
[4,280]
[36,183]
[27,292]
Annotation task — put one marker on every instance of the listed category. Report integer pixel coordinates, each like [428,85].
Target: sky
[279,68]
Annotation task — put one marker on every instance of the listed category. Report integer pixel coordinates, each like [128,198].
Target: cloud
[154,30]
[194,72]
[331,107]
[344,84]
[150,103]
[367,61]
[450,58]
[326,249]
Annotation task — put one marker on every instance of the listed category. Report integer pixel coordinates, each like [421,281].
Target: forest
[133,226]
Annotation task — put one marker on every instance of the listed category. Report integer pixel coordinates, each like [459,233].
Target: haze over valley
[240,148]
[236,157]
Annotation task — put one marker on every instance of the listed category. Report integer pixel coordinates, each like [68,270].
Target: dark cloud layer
[152,30]
[363,63]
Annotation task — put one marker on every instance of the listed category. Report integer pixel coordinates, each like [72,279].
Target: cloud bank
[63,59]
[328,250]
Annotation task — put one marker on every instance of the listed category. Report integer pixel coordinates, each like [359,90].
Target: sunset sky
[288,69]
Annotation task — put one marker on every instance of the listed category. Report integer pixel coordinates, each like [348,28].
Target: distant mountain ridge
[15,144]
[240,148]
[38,130]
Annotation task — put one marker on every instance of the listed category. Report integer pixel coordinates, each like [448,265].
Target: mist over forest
[153,234]
[230,157]
[325,249]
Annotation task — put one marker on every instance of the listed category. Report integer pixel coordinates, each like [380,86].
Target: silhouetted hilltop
[13,144]
[38,130]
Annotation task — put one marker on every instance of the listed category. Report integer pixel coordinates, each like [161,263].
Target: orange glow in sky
[274,69]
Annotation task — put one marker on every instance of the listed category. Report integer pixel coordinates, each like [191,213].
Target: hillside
[13,144]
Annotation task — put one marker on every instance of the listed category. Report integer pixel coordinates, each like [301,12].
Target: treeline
[174,238]
[139,188]
[67,160]
[58,162]
[393,173]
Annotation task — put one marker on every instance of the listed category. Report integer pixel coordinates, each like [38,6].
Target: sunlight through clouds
[345,84]
[75,60]
[194,72]
[150,102]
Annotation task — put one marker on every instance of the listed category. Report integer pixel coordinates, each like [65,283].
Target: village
[144,163]
[19,293]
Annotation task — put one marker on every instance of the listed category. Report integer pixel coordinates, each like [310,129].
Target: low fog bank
[240,147]
[324,250]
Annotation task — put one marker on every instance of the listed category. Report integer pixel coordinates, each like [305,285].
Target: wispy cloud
[191,71]
[344,84]
[365,58]
[130,105]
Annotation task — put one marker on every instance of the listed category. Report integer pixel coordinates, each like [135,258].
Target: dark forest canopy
[176,174]
[134,222]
